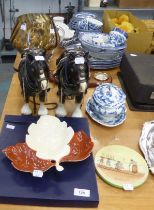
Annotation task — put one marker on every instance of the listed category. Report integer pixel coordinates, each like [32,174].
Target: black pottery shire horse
[33,76]
[72,76]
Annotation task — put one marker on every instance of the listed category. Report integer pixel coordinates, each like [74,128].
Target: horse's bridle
[63,74]
[27,81]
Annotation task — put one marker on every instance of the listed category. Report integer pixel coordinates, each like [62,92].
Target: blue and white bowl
[73,24]
[109,123]
[118,37]
[82,15]
[105,113]
[109,95]
[124,33]
[107,104]
[90,24]
[98,42]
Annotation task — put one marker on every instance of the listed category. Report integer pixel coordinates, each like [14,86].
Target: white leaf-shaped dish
[50,137]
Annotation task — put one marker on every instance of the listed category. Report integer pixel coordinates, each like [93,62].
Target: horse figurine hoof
[77,112]
[26,110]
[42,110]
[60,111]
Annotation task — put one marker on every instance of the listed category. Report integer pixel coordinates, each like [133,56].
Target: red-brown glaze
[24,159]
[81,146]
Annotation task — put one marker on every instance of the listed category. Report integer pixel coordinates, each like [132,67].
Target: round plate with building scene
[121,167]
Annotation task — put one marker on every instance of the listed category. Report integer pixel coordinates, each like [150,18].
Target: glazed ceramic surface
[58,19]
[108,122]
[105,113]
[105,50]
[119,166]
[107,105]
[78,17]
[64,31]
[82,15]
[49,137]
[146,143]
[95,41]
[101,76]
[120,31]
[89,24]
[109,95]
[117,38]
[98,41]
[24,158]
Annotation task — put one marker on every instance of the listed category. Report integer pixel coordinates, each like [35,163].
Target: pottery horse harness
[33,76]
[72,76]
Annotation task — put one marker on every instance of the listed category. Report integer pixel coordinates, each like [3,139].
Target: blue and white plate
[102,67]
[115,122]
[104,56]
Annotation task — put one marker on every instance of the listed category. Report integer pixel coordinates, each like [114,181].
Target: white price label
[128,187]
[39,58]
[23,27]
[38,173]
[81,192]
[79,60]
[133,55]
[52,31]
[12,127]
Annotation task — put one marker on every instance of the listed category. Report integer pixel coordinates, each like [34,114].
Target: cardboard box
[135,3]
[139,42]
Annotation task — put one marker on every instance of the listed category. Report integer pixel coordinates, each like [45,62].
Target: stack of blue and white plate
[107,105]
[105,50]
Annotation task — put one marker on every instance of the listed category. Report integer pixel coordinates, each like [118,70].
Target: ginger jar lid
[108,94]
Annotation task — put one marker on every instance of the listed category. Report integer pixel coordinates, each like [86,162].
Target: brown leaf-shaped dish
[24,159]
[81,146]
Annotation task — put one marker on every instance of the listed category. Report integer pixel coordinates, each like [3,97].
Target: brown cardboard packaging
[135,3]
[139,42]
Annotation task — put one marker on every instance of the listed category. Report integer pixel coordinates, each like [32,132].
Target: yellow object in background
[123,23]
[115,20]
[126,26]
[123,18]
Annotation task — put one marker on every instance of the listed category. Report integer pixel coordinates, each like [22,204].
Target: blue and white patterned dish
[107,105]
[105,114]
[104,61]
[124,33]
[98,42]
[116,38]
[90,24]
[82,15]
[73,24]
[103,67]
[105,56]
[108,94]
[114,122]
